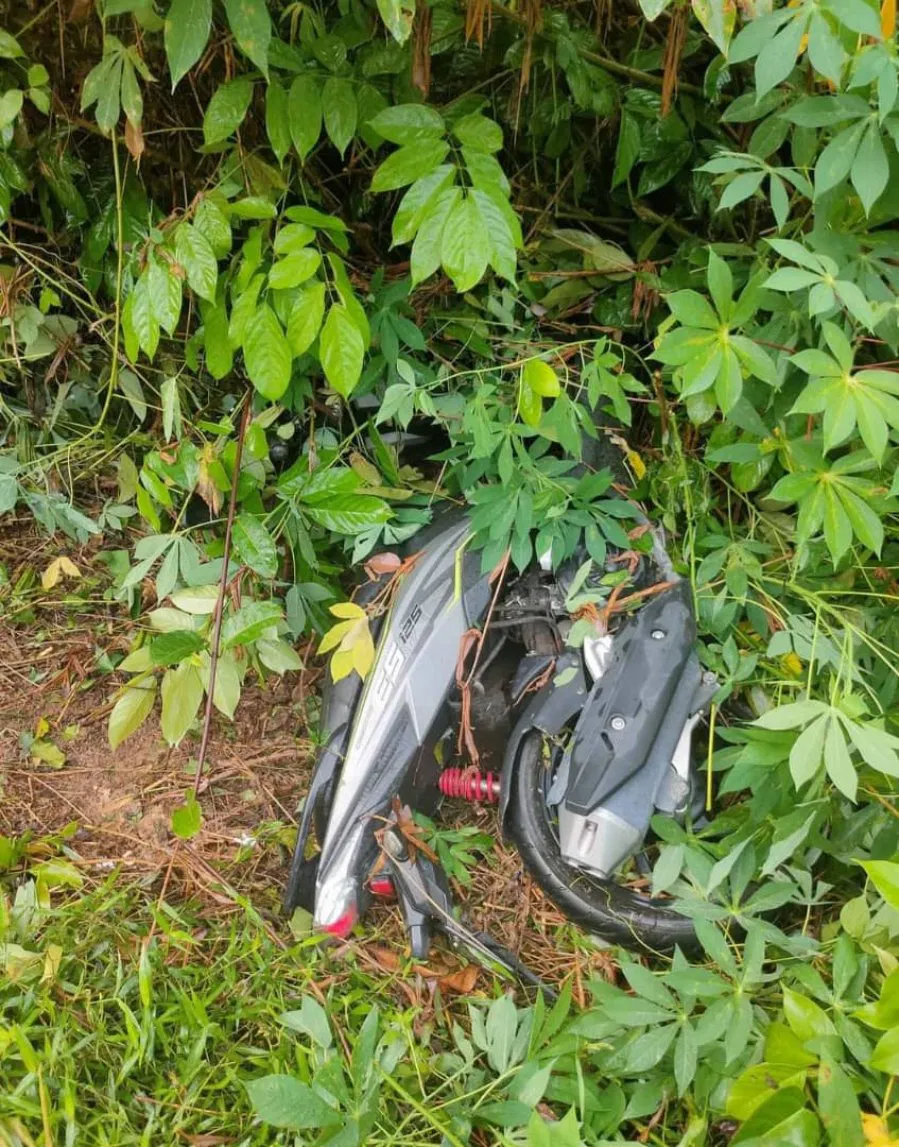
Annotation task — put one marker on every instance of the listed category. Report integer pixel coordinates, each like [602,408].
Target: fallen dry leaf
[430,971]
[461,982]
[385,957]
[206,487]
[365,470]
[382,564]
[58,568]
[209,1139]
[411,831]
[134,140]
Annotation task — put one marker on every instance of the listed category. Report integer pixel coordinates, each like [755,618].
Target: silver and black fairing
[622,721]
[380,739]
[628,753]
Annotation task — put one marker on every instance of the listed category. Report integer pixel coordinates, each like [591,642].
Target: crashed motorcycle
[593,742]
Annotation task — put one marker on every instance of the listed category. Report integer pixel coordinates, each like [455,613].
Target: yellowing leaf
[530,404]
[341,664]
[131,710]
[199,600]
[351,641]
[56,873]
[636,464]
[718,18]
[138,661]
[791,664]
[888,19]
[877,1134]
[182,691]
[347,609]
[335,635]
[58,568]
[228,680]
[18,963]
[363,652]
[52,960]
[206,485]
[367,472]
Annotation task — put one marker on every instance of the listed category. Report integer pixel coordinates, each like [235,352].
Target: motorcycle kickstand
[424,896]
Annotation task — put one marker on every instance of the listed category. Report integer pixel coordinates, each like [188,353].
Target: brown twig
[473,640]
[674,50]
[650,591]
[467,642]
[220,600]
[590,273]
[604,61]
[609,608]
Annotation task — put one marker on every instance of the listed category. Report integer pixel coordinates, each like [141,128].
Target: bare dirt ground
[115,807]
[54,681]
[122,801]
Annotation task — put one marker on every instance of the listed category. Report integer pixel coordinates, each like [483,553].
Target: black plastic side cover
[628,704]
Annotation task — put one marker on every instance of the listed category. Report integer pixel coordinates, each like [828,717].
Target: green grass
[129,1022]
[137,1040]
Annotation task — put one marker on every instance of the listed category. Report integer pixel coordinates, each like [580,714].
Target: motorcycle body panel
[628,736]
[617,716]
[396,720]
[629,703]
[339,702]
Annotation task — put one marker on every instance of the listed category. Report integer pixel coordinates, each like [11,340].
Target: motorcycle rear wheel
[602,907]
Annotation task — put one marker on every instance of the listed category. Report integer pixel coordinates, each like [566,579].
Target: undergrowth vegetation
[263,247]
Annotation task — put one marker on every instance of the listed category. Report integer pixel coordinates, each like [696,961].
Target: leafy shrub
[506,226]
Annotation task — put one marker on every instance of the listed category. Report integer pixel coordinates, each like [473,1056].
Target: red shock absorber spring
[470,784]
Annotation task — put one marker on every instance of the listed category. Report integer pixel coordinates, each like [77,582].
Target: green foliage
[828,732]
[464,230]
[705,347]
[381,219]
[458,849]
[250,636]
[187,818]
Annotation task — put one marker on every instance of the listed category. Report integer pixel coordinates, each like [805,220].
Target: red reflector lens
[343,925]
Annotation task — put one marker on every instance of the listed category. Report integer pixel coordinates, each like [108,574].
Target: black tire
[602,907]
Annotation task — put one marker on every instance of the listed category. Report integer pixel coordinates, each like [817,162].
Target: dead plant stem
[220,600]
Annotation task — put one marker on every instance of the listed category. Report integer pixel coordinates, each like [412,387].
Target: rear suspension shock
[470,785]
